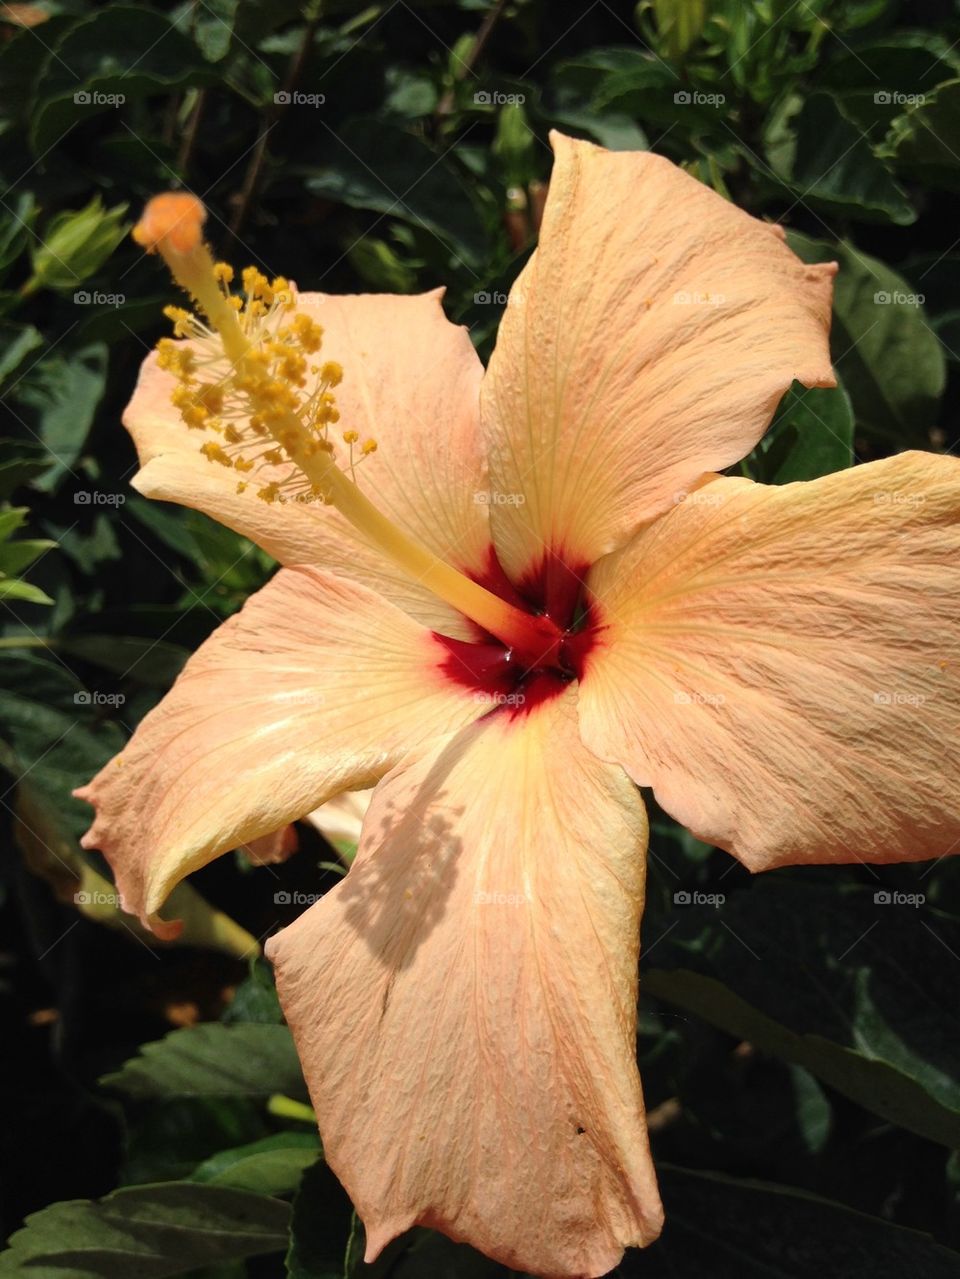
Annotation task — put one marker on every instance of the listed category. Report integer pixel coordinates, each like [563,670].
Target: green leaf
[23,460]
[272,1166]
[256,999]
[64,392]
[15,230]
[923,142]
[851,987]
[153,662]
[15,345]
[108,59]
[736,1229]
[811,435]
[373,164]
[825,162]
[14,589]
[875,81]
[148,1231]
[891,362]
[214,1060]
[51,735]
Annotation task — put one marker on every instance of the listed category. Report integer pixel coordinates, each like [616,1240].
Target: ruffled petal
[647,341]
[464,1003]
[316,686]
[411,381]
[782,665]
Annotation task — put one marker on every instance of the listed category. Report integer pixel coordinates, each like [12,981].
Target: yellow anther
[368,447]
[215,453]
[350,437]
[270,492]
[332,373]
[223,273]
[241,486]
[184,323]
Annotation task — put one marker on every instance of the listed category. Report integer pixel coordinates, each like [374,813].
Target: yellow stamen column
[172,225]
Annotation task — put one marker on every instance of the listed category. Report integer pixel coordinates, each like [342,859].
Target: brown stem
[251,178]
[445,105]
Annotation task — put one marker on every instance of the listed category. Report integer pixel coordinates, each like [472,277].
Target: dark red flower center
[563,630]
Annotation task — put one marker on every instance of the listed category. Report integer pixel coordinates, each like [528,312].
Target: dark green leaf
[890,360]
[378,166]
[271,1166]
[852,987]
[64,391]
[726,1228]
[826,163]
[923,143]
[811,435]
[214,1060]
[149,1231]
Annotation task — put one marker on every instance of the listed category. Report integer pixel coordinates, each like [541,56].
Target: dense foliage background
[799,1032]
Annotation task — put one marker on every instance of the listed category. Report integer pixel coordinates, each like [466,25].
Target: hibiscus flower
[509,597]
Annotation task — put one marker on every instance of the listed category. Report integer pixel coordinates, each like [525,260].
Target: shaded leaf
[214,1060]
[149,1231]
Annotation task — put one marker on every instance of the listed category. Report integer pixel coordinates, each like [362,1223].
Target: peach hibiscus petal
[316,686]
[782,664]
[648,340]
[411,381]
[464,1002]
